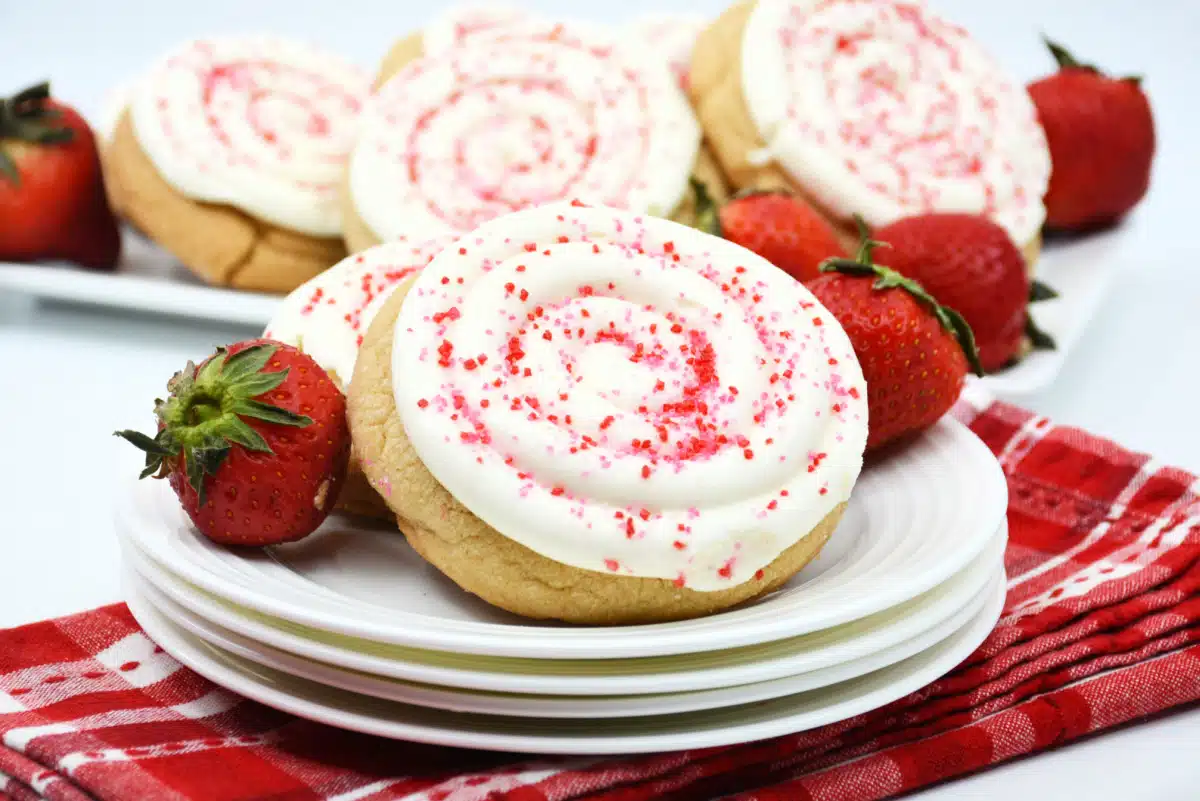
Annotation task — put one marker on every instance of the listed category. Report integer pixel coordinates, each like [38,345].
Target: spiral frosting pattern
[259,123]
[521,115]
[621,393]
[882,108]
[328,316]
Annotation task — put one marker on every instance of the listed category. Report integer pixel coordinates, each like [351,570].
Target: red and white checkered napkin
[1100,628]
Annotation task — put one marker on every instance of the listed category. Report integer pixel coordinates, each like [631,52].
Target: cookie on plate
[327,318]
[478,116]
[875,107]
[229,155]
[604,417]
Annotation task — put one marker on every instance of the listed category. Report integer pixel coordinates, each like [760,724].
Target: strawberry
[256,457]
[780,227]
[914,352]
[967,262]
[1101,136]
[52,201]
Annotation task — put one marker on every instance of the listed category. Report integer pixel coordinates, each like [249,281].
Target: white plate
[151,280]
[147,280]
[915,518]
[703,729]
[545,706]
[1082,273]
[819,650]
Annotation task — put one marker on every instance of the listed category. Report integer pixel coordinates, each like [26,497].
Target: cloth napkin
[1101,627]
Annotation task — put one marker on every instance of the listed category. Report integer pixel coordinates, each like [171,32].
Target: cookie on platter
[478,116]
[604,417]
[872,107]
[229,155]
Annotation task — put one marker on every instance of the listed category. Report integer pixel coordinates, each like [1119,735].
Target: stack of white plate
[350,626]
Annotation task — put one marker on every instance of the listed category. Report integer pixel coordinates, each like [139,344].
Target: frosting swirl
[259,123]
[524,114]
[621,393]
[327,316]
[882,108]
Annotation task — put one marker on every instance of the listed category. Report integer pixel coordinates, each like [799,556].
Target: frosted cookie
[871,107]
[672,37]
[328,316]
[605,417]
[519,113]
[230,154]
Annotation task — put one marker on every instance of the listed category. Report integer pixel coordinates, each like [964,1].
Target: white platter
[826,650]
[715,727]
[1082,272]
[149,280]
[546,706]
[916,518]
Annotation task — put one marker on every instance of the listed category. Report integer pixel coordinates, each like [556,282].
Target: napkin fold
[1101,627]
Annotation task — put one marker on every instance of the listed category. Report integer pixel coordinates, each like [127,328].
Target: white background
[68,377]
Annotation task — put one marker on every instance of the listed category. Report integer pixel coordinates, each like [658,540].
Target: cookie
[229,155]
[327,317]
[504,112]
[603,417]
[877,108]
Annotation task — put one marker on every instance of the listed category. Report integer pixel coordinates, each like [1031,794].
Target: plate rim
[229,675]
[521,682]
[454,699]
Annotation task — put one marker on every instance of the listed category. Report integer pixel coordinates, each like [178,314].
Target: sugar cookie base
[499,570]
[219,243]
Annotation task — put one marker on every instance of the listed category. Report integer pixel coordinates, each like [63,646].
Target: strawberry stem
[26,117]
[203,417]
[707,214]
[887,278]
[1063,57]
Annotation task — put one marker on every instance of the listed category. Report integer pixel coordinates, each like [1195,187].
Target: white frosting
[259,123]
[884,109]
[621,393]
[328,316]
[460,22]
[528,114]
[672,36]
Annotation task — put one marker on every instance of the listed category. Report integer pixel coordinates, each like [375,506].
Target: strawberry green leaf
[269,414]
[254,385]
[707,214]
[1039,291]
[1063,57]
[145,443]
[211,369]
[8,168]
[237,431]
[248,362]
[1037,337]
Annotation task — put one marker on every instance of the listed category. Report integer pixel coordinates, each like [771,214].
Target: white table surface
[70,376]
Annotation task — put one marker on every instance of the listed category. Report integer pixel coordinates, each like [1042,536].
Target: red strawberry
[970,264]
[914,353]
[257,457]
[1101,136]
[52,201]
[781,228]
